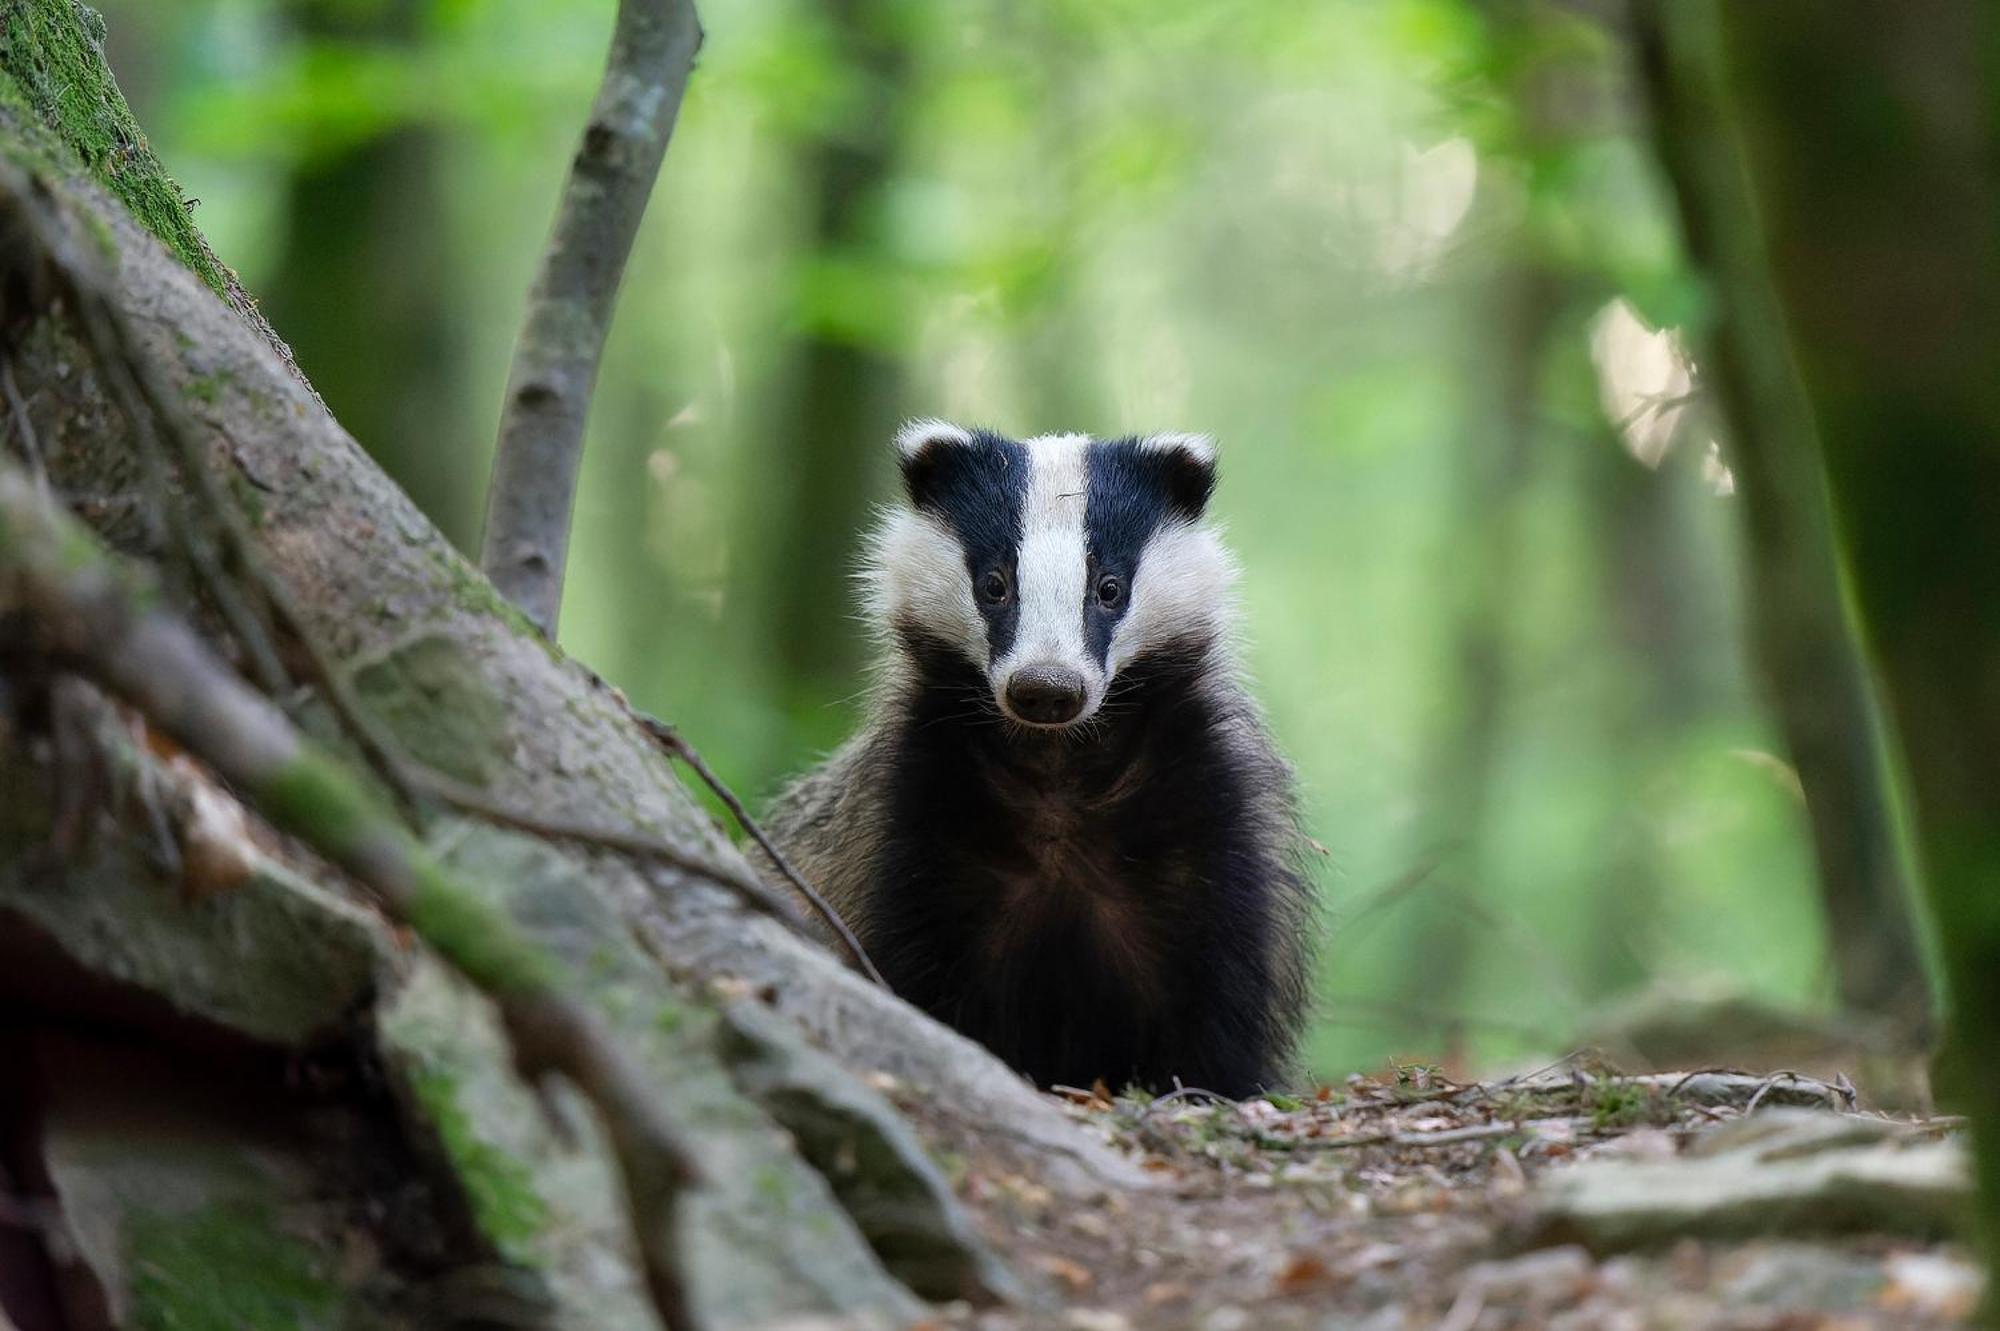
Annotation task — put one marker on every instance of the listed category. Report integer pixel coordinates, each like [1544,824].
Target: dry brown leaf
[1302,1272]
[217,849]
[1072,1274]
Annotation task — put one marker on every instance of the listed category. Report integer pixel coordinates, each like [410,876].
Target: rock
[1787,1133]
[274,957]
[1796,1277]
[194,1205]
[1771,1184]
[544,1206]
[1932,1284]
[763,1235]
[897,1197]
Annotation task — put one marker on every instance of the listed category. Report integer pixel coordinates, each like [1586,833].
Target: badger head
[1051,564]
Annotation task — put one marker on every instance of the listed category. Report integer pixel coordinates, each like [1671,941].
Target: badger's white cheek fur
[916,574]
[1182,592]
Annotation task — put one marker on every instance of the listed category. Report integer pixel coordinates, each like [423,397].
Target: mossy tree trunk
[829,451]
[1872,146]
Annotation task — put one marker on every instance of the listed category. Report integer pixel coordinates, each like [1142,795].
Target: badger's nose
[1045,694]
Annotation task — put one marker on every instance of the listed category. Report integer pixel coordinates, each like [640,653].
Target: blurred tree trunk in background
[361,284]
[1810,663]
[1652,595]
[1521,305]
[830,435]
[1872,138]
[1496,446]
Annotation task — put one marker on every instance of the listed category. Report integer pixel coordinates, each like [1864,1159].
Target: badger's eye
[993,587]
[1110,591]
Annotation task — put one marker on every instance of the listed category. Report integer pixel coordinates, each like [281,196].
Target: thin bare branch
[24,429]
[670,739]
[1400,1140]
[554,372]
[623,841]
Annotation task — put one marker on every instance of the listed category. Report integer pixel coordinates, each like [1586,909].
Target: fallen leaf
[217,850]
[1073,1274]
[1302,1272]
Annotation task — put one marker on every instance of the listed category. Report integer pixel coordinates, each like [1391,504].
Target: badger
[1063,828]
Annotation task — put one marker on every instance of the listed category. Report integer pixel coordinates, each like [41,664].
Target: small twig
[1180,1093]
[1400,1140]
[1772,1080]
[670,739]
[554,372]
[1687,1077]
[24,428]
[623,841]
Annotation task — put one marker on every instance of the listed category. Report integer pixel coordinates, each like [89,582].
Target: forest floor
[1566,1198]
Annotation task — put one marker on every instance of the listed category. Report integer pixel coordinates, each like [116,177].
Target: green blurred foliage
[1114,216]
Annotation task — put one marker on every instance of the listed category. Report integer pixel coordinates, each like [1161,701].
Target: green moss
[227,1267]
[481,941]
[248,497]
[316,800]
[321,803]
[205,388]
[431,697]
[499,1187]
[772,1185]
[474,594]
[52,67]
[1618,1104]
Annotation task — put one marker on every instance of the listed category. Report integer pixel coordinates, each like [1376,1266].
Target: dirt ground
[1410,1201]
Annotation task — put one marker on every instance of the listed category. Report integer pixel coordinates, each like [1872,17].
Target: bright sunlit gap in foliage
[1426,203]
[1647,386]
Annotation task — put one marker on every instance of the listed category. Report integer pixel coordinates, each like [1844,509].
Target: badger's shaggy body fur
[1111,895]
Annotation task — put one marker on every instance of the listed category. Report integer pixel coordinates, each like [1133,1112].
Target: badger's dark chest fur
[1094,906]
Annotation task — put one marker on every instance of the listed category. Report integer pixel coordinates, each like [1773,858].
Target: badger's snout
[1045,694]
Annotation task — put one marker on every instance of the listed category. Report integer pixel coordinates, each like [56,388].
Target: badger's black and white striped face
[1052,563]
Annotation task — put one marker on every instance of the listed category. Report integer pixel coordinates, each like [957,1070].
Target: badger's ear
[925,450]
[1184,465]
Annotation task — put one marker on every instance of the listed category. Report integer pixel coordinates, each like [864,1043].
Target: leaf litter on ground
[1570,1197]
